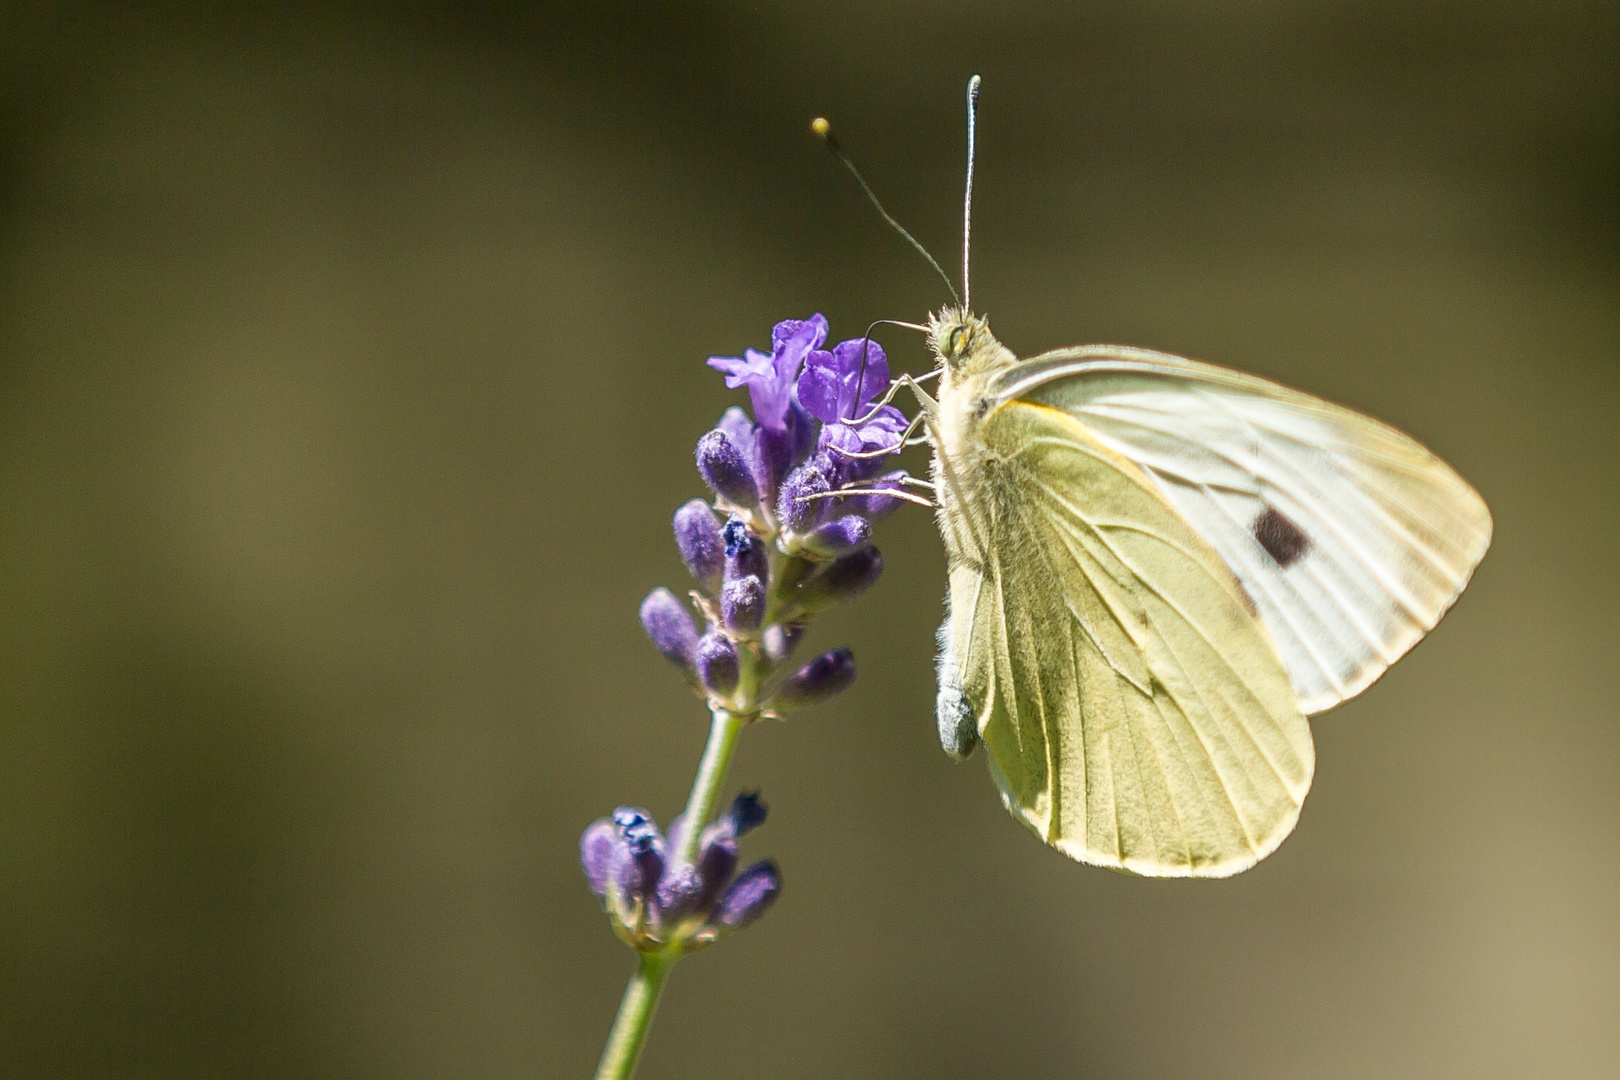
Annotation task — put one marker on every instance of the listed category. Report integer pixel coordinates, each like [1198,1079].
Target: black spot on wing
[1284,541]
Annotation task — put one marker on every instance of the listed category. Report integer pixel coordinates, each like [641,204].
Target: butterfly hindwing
[1134,710]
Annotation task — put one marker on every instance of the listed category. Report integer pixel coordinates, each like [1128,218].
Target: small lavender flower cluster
[784,546]
[653,901]
[780,543]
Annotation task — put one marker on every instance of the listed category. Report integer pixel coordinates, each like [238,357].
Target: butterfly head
[964,344]
[954,334]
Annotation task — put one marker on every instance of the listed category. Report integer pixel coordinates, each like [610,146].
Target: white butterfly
[1158,569]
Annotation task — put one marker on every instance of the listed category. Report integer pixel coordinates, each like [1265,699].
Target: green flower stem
[636,1010]
[711,775]
[640,1000]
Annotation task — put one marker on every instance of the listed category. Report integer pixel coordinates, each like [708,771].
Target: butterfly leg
[883,451]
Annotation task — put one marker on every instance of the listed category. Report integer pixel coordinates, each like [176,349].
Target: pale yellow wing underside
[1134,709]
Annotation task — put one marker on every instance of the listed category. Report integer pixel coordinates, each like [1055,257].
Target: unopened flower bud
[679,890]
[839,536]
[780,639]
[797,504]
[775,450]
[717,858]
[598,850]
[717,663]
[742,603]
[641,862]
[739,428]
[670,627]
[747,812]
[697,534]
[755,890]
[725,469]
[818,680]
[745,553]
[843,579]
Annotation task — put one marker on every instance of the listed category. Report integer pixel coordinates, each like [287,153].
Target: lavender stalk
[776,546]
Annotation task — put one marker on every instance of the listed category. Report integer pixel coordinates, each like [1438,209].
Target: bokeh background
[350,365]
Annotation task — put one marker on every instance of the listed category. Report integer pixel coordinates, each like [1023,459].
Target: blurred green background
[350,366]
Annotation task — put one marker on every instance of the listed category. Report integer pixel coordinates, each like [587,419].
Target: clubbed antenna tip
[823,130]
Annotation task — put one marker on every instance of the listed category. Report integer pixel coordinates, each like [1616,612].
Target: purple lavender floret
[717,663]
[747,812]
[742,604]
[697,535]
[800,504]
[640,865]
[877,507]
[739,428]
[839,536]
[755,890]
[598,850]
[839,388]
[844,579]
[717,858]
[726,469]
[771,379]
[785,430]
[670,627]
[826,675]
[745,552]
[679,890]
[834,386]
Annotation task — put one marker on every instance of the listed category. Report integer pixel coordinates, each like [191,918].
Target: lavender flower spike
[802,479]
[656,900]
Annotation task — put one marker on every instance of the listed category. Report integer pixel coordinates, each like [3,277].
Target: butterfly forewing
[1135,712]
[1350,538]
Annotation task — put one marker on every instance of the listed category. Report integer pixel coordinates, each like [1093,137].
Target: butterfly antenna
[823,128]
[967,199]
